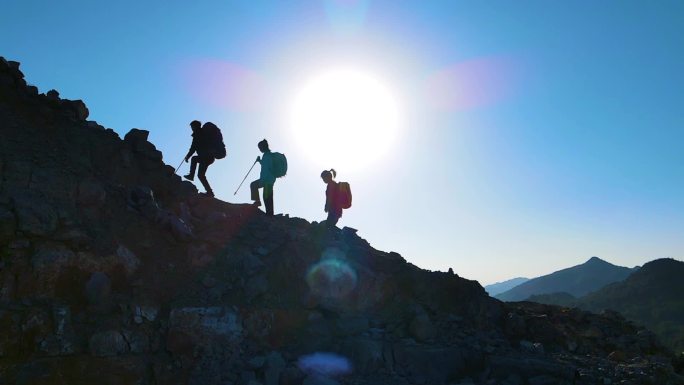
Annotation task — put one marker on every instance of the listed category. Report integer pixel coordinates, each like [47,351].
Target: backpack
[279,164]
[345,195]
[218,150]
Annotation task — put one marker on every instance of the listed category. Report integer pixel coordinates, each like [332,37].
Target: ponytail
[329,173]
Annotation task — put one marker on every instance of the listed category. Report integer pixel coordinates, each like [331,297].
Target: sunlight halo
[345,119]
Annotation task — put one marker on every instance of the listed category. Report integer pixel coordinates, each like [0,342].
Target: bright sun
[345,119]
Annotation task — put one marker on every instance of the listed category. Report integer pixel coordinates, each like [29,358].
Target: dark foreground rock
[114,271]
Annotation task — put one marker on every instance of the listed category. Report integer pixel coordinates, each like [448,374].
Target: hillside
[114,271]
[652,296]
[500,287]
[577,280]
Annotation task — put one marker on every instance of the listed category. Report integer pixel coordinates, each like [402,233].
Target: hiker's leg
[254,187]
[201,174]
[193,166]
[332,218]
[268,198]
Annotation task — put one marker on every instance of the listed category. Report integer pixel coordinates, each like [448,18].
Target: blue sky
[564,139]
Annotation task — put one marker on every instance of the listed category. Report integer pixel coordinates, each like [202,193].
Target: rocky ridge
[115,271]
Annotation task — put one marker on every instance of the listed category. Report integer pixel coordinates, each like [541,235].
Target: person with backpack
[271,168]
[207,142]
[337,197]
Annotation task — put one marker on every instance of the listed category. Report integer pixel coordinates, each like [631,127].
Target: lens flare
[332,277]
[471,84]
[225,84]
[324,364]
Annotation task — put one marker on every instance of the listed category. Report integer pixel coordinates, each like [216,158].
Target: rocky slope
[652,296]
[577,280]
[114,271]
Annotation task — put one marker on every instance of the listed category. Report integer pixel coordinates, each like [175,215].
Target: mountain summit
[114,271]
[577,280]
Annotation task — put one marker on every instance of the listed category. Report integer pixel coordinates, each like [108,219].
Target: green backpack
[279,165]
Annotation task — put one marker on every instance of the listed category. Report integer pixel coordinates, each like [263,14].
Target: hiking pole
[243,180]
[179,166]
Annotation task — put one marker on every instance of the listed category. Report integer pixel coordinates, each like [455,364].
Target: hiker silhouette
[332,200]
[266,179]
[207,142]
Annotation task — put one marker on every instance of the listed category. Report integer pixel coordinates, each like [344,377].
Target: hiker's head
[263,146]
[328,176]
[195,125]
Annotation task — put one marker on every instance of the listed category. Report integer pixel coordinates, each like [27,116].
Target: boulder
[98,288]
[127,259]
[8,224]
[421,328]
[34,215]
[108,343]
[202,325]
[275,364]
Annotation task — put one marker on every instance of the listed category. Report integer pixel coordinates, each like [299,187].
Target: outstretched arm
[193,148]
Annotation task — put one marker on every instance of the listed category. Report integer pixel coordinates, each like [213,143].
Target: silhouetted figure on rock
[207,142]
[332,202]
[266,179]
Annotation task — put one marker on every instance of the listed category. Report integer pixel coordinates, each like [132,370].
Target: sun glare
[345,119]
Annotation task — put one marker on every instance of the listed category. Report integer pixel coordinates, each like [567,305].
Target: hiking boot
[189,177]
[209,194]
[256,203]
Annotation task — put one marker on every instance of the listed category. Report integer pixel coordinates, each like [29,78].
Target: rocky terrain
[114,271]
[653,296]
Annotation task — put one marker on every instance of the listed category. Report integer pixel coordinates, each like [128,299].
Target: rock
[8,224]
[316,379]
[149,312]
[49,260]
[436,365]
[136,135]
[617,356]
[421,328]
[347,326]
[192,326]
[91,193]
[79,108]
[544,380]
[365,354]
[127,259]
[53,95]
[108,343]
[141,198]
[275,364]
[251,264]
[255,287]
[209,282]
[535,348]
[34,215]
[179,229]
[98,288]
[257,362]
[515,325]
[138,342]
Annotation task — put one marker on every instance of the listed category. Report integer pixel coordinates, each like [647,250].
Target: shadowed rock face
[115,271]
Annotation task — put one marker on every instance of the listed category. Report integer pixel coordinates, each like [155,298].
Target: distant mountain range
[500,287]
[653,296]
[577,280]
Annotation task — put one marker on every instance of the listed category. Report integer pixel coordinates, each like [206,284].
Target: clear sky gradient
[534,134]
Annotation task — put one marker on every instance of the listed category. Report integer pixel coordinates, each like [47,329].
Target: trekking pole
[179,166]
[243,180]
